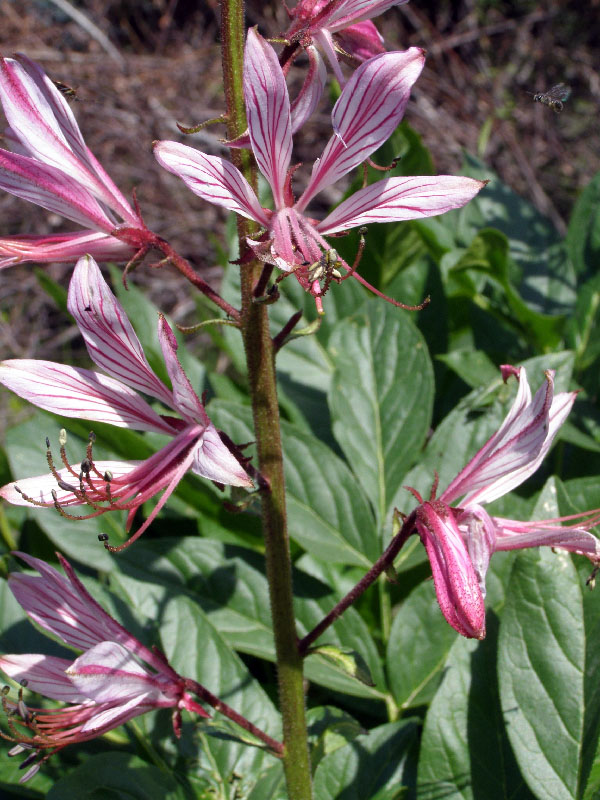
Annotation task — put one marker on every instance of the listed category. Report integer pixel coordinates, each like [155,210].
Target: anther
[19,748]
[103,537]
[67,487]
[29,760]
[86,466]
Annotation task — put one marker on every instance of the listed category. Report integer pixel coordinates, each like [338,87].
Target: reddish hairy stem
[185,268]
[230,713]
[279,339]
[384,562]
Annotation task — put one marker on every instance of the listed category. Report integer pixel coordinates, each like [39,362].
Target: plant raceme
[369,109]
[460,539]
[114,398]
[115,679]
[53,168]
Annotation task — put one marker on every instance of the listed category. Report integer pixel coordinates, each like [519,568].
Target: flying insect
[554,98]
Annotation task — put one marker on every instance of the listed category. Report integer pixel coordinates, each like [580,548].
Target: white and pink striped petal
[109,336]
[44,674]
[48,187]
[268,113]
[109,673]
[397,199]
[213,460]
[211,178]
[62,606]
[456,582]
[516,450]
[514,535]
[349,12]
[62,247]
[367,112]
[185,399]
[312,89]
[81,393]
[40,117]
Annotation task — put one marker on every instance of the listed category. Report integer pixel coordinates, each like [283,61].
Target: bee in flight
[554,97]
[67,91]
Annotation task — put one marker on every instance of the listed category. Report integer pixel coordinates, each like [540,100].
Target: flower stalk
[384,563]
[212,700]
[260,357]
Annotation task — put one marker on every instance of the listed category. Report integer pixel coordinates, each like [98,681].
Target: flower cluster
[115,679]
[369,109]
[114,398]
[460,539]
[53,167]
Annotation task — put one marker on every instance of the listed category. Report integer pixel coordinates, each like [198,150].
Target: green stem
[260,358]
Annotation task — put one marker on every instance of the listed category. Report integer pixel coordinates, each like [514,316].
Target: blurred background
[138,66]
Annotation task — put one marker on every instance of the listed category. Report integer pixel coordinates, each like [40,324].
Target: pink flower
[113,398]
[367,112]
[53,168]
[460,540]
[115,679]
[336,25]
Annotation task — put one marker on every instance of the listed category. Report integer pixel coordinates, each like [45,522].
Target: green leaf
[375,766]
[465,753]
[52,288]
[270,784]
[583,236]
[195,648]
[329,728]
[474,367]
[381,397]
[549,672]
[583,328]
[420,639]
[346,660]
[488,254]
[328,512]
[497,206]
[116,776]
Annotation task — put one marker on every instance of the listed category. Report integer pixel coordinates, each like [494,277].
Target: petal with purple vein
[109,336]
[211,178]
[80,393]
[268,112]
[367,112]
[397,199]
